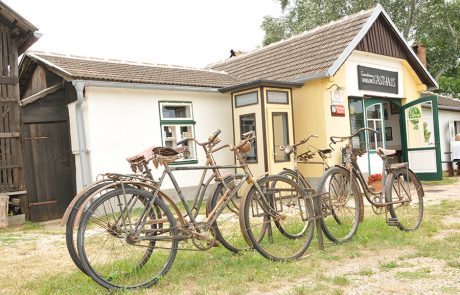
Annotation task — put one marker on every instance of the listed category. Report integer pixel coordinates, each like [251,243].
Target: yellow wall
[413,86]
[312,114]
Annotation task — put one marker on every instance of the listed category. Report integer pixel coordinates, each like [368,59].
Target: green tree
[435,23]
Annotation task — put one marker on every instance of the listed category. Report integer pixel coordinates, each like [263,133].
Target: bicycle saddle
[144,155]
[168,152]
[385,152]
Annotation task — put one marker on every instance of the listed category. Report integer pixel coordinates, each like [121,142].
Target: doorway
[380,114]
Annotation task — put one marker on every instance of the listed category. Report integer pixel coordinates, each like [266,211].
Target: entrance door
[421,144]
[279,132]
[49,169]
[374,118]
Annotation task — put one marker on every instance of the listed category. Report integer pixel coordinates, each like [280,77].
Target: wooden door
[49,169]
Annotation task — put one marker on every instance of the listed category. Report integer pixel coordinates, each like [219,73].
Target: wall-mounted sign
[337,96]
[337,110]
[377,80]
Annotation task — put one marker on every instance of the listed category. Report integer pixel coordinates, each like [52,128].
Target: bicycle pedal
[392,221]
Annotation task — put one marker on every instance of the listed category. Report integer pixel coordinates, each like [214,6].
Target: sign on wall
[377,80]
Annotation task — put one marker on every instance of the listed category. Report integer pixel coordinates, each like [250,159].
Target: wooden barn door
[50,171]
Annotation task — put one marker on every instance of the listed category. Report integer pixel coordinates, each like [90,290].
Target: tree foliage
[435,23]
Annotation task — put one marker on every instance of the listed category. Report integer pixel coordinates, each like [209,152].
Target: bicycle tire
[286,197]
[225,232]
[121,273]
[71,226]
[409,214]
[293,175]
[336,226]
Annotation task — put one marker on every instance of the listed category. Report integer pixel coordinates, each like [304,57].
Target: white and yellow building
[330,81]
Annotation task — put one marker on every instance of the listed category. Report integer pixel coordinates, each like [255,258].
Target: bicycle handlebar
[302,141]
[335,139]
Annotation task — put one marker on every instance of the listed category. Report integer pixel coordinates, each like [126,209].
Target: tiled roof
[307,54]
[448,102]
[73,67]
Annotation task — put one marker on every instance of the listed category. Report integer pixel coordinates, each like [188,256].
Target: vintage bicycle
[143,179]
[128,237]
[342,187]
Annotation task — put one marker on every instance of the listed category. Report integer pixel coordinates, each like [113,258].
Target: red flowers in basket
[374,178]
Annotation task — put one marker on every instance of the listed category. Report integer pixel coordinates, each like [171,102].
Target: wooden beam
[9,80]
[41,94]
[9,134]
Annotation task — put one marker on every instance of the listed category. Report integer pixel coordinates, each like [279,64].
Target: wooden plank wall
[11,162]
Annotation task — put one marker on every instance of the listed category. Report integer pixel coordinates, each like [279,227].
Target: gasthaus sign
[377,80]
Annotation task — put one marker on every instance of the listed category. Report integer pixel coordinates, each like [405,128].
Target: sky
[191,33]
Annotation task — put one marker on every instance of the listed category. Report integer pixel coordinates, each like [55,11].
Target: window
[374,121]
[176,111]
[246,99]
[248,123]
[176,124]
[357,122]
[280,136]
[277,97]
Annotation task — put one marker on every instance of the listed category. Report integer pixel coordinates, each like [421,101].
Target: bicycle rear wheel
[111,251]
[404,187]
[341,199]
[227,231]
[277,220]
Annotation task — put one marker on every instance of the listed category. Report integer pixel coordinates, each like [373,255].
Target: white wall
[444,117]
[122,122]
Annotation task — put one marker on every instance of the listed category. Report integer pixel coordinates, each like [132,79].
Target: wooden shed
[16,35]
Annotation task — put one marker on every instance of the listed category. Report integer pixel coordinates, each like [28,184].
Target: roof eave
[259,83]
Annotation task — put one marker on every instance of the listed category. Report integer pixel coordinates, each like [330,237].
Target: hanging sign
[337,97]
[377,80]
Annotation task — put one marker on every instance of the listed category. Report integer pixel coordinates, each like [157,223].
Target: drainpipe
[79,87]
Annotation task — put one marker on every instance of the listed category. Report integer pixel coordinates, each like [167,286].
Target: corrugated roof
[76,67]
[308,54]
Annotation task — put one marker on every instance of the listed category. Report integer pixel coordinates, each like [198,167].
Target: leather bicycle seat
[168,152]
[385,152]
[144,155]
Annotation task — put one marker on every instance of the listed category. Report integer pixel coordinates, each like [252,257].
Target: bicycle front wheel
[126,242]
[340,200]
[277,218]
[404,188]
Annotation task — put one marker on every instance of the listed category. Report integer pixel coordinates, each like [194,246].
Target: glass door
[279,133]
[374,118]
[421,144]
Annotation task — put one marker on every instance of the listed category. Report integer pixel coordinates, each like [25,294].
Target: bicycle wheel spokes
[278,219]
[112,251]
[406,189]
[340,201]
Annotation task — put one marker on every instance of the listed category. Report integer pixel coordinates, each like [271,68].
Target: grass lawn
[217,271]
